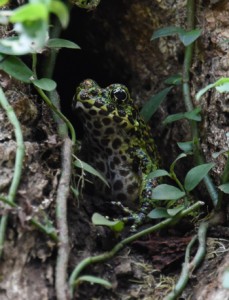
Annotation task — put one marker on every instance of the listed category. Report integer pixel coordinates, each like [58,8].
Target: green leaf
[193,114]
[173,118]
[29,12]
[61,11]
[195,175]
[223,88]
[186,146]
[157,173]
[203,91]
[190,115]
[45,84]
[224,188]
[174,211]
[16,68]
[188,37]
[93,279]
[83,165]
[182,155]
[3,2]
[158,213]
[221,85]
[61,43]
[166,31]
[216,154]
[174,79]
[225,279]
[153,103]
[167,192]
[100,220]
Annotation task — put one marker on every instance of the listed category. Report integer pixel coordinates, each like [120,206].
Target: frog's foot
[134,218]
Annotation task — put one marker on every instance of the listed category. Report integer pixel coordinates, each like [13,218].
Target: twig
[107,255]
[188,101]
[189,267]
[20,152]
[61,218]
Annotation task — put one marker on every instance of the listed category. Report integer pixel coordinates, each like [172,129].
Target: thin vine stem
[190,266]
[57,111]
[108,255]
[20,153]
[188,57]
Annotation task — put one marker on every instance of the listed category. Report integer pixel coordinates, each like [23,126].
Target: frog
[118,143]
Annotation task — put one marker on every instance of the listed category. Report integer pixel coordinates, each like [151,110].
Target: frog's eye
[119,94]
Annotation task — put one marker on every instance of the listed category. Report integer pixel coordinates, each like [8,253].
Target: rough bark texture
[119,31]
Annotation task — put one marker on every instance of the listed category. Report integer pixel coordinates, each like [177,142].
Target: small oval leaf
[45,84]
[174,211]
[187,147]
[158,213]
[100,220]
[166,31]
[224,188]
[195,175]
[62,43]
[158,173]
[15,67]
[188,37]
[167,192]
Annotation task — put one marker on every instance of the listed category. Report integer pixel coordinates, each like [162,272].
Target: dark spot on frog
[121,197]
[83,95]
[124,158]
[117,119]
[130,118]
[109,130]
[94,92]
[124,124]
[98,103]
[105,142]
[122,113]
[106,121]
[93,112]
[116,143]
[116,160]
[109,151]
[96,132]
[124,172]
[87,104]
[97,124]
[110,107]
[131,188]
[104,112]
[118,185]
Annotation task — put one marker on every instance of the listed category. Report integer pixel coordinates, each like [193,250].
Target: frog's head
[101,108]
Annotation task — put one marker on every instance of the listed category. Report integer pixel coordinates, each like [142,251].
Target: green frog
[118,143]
